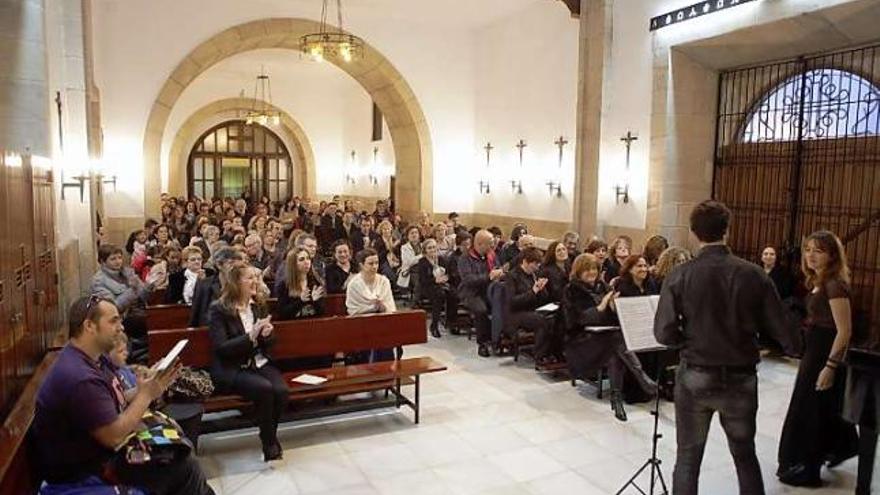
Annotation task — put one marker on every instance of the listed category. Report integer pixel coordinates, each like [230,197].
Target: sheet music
[637,322]
[549,307]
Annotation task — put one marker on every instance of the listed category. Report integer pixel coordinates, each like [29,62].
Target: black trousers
[699,394]
[442,298]
[813,427]
[266,388]
[535,322]
[479,309]
[181,477]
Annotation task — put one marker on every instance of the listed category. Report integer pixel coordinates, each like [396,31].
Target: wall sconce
[351,170]
[516,180]
[485,187]
[555,183]
[79,182]
[621,192]
[374,170]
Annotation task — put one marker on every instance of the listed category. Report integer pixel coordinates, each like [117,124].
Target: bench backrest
[305,338]
[177,315]
[16,472]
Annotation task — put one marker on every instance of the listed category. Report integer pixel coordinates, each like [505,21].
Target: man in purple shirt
[82,417]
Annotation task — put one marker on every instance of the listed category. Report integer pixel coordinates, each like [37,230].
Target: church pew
[177,315]
[322,337]
[17,475]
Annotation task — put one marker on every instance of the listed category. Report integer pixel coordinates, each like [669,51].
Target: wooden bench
[16,474]
[322,337]
[164,316]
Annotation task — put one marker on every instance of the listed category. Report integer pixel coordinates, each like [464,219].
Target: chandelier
[261,111]
[332,41]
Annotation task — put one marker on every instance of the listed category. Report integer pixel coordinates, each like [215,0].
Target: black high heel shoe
[617,406]
[435,332]
[801,475]
[273,452]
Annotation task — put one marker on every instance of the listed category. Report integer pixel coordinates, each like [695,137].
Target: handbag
[158,439]
[191,384]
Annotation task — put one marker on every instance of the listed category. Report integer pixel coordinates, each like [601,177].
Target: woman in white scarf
[369,291]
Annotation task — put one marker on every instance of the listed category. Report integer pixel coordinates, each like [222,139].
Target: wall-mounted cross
[628,139]
[521,145]
[561,142]
[488,149]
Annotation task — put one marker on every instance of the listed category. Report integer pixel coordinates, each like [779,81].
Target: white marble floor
[490,426]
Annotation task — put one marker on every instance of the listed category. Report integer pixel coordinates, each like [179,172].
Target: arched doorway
[378,76]
[798,150]
[234,159]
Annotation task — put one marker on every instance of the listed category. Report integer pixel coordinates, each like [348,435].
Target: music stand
[636,316]
[653,462]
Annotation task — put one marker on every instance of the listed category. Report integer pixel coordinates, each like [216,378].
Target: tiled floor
[490,426]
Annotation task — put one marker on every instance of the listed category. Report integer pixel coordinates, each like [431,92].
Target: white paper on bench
[601,329]
[307,379]
[549,307]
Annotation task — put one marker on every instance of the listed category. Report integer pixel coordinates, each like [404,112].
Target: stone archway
[290,131]
[386,86]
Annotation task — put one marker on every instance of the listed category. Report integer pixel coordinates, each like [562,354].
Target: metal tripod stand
[653,462]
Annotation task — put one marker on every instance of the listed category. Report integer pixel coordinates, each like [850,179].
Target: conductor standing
[713,309]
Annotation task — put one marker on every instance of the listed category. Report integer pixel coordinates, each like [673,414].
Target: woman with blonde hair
[241,336]
[669,259]
[813,432]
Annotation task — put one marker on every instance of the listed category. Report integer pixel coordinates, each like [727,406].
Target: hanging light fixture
[261,111]
[332,41]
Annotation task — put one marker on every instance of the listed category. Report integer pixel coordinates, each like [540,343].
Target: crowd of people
[224,258]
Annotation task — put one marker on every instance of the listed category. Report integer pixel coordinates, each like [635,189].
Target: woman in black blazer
[635,279]
[432,281]
[241,337]
[343,266]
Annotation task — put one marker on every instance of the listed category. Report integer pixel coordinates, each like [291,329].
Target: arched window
[234,158]
[835,103]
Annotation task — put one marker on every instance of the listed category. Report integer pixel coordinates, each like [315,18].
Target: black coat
[522,297]
[357,241]
[206,291]
[231,348]
[579,306]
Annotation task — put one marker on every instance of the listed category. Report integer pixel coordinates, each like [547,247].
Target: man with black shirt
[713,308]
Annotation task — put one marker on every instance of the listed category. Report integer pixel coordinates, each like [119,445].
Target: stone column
[24,101]
[595,44]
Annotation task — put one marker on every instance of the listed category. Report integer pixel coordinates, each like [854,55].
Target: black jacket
[426,283]
[715,306]
[231,348]
[628,288]
[336,277]
[357,241]
[206,291]
[474,272]
[174,292]
[579,307]
[522,297]
[557,279]
[293,308]
[783,281]
[509,255]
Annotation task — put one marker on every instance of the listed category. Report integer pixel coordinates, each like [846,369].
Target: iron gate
[798,150]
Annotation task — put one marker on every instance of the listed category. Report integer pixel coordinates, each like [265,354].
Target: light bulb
[249,120]
[317,53]
[263,119]
[345,52]
[276,120]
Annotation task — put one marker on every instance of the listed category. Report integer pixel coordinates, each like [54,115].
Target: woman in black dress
[241,336]
[587,302]
[813,432]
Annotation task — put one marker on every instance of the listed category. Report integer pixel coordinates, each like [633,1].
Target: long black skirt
[814,429]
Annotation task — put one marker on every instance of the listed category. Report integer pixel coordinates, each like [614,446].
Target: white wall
[138,44]
[357,122]
[526,88]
